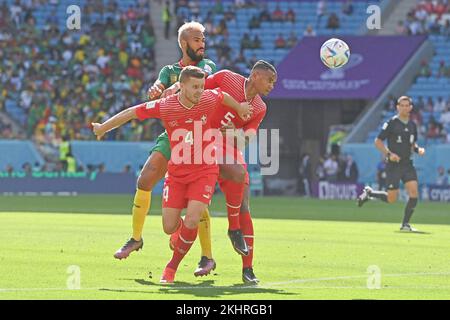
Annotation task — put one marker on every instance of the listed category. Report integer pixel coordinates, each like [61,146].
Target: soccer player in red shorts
[192,169]
[234,178]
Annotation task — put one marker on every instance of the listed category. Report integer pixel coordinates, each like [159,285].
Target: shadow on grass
[206,289]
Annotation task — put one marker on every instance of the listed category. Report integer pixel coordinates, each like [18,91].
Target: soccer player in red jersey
[234,178]
[192,171]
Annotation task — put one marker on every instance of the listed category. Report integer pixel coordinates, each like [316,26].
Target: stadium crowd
[62,79]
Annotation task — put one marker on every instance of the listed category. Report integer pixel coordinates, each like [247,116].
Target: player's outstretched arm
[116,121]
[243,109]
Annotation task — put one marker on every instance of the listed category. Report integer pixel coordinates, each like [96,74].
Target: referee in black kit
[401,135]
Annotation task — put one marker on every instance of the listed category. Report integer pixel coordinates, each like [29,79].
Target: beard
[194,57]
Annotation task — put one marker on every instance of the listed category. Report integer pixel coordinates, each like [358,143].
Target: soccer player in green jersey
[191,40]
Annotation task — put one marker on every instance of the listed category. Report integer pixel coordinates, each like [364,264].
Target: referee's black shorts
[395,172]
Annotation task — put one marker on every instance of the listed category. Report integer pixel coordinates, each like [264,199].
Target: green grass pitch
[304,249]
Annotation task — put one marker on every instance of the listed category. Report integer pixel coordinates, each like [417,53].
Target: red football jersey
[234,84]
[185,128]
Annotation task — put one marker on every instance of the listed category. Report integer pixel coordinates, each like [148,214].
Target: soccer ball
[334,53]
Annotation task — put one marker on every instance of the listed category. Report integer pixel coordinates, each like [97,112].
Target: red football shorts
[177,194]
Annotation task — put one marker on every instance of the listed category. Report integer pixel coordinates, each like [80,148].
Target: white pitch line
[261,286]
[356,277]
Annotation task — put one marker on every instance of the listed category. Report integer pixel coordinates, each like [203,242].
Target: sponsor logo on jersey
[150,105]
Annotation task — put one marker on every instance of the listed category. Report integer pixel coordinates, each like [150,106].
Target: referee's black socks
[409,209]
[382,195]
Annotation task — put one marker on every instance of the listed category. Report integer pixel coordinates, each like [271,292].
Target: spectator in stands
[166,18]
[415,27]
[445,116]
[333,21]
[443,70]
[445,29]
[347,8]
[280,42]
[246,42]
[350,172]
[305,175]
[218,7]
[425,70]
[416,116]
[71,163]
[420,104]
[254,23]
[401,29]
[277,15]
[309,32]
[126,168]
[292,40]
[222,28]
[265,14]
[290,15]
[439,105]
[442,178]
[441,8]
[320,170]
[429,105]
[9,169]
[331,168]
[256,43]
[321,11]
[434,129]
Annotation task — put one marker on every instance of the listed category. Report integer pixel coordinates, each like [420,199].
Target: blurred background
[55,81]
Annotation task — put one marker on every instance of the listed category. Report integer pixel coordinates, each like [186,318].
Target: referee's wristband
[416,149]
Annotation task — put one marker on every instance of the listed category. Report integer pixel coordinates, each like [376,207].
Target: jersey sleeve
[164,76]
[385,129]
[415,133]
[255,123]
[149,109]
[215,80]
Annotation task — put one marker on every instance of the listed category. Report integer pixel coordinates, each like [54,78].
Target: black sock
[409,209]
[382,195]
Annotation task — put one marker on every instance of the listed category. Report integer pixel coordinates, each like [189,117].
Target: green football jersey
[170,73]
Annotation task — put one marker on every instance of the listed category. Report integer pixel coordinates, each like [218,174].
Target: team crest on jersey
[173,78]
[399,139]
[173,123]
[207,68]
[204,118]
[150,105]
[208,189]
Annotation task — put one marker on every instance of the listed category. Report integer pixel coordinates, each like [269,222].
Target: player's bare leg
[232,179]
[247,228]
[154,170]
[186,237]
[412,190]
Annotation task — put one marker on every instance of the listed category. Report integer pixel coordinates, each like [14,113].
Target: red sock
[184,243]
[247,231]
[234,193]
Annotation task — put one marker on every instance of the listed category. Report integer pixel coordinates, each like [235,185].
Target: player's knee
[191,222]
[148,177]
[238,174]
[169,228]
